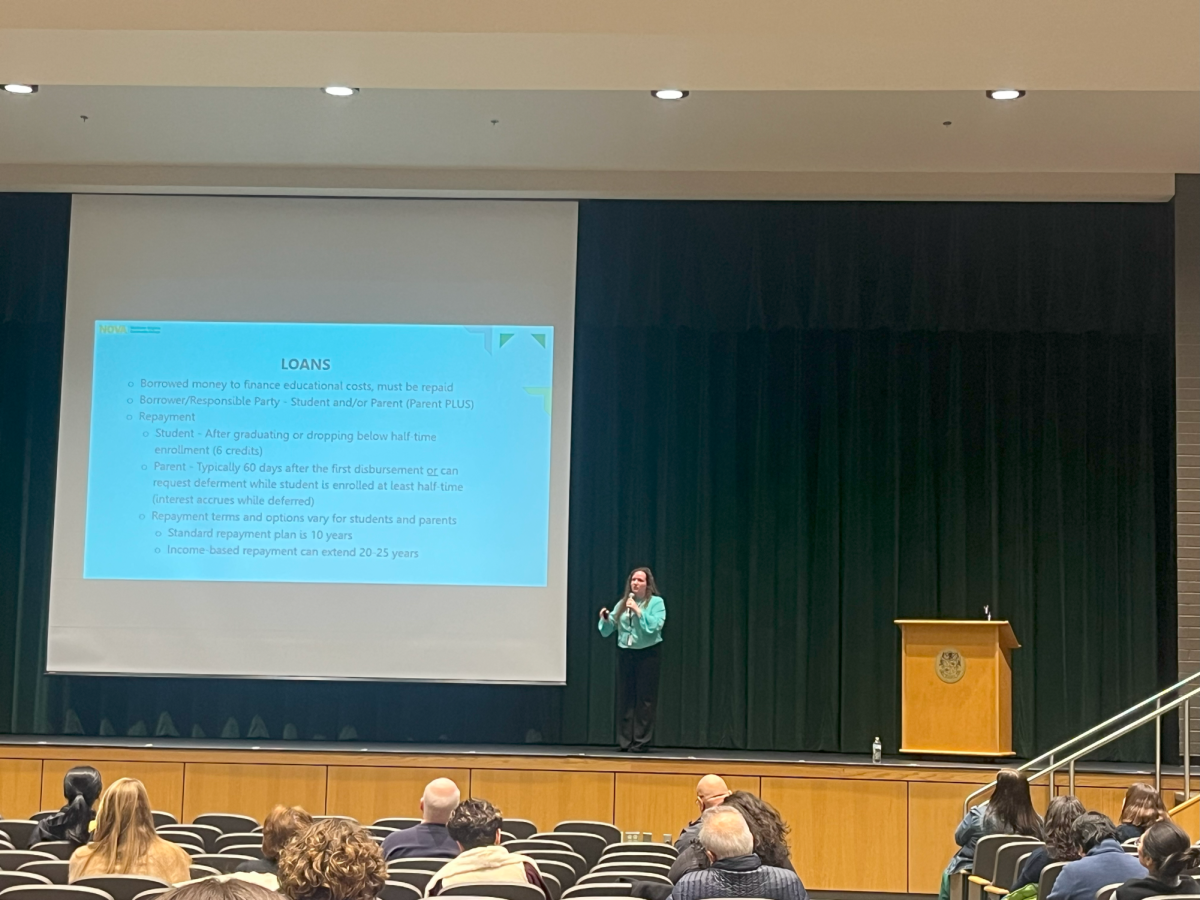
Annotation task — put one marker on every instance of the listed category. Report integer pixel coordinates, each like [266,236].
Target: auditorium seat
[56,871]
[226,823]
[397,824]
[57,849]
[564,873]
[1049,876]
[615,889]
[53,892]
[14,859]
[122,887]
[224,863]
[589,846]
[519,828]
[524,845]
[238,837]
[418,878]
[553,885]
[398,890]
[17,831]
[163,818]
[379,832]
[206,835]
[1108,892]
[615,875]
[1004,871]
[611,833]
[13,879]
[640,847]
[502,890]
[636,856]
[251,850]
[421,862]
[151,894]
[5,845]
[570,857]
[195,872]
[621,865]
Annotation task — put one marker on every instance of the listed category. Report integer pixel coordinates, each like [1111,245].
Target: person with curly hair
[475,826]
[766,827]
[281,825]
[1058,831]
[333,859]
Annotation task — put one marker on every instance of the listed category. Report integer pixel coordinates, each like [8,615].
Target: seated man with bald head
[430,838]
[710,791]
[735,870]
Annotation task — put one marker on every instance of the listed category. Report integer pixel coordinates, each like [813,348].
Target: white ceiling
[628,131]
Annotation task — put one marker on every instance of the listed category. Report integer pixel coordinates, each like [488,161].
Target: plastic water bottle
[877,751]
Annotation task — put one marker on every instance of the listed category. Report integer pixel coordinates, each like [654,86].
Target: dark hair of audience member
[1059,828]
[1167,851]
[474,823]
[1091,828]
[82,786]
[1011,806]
[333,859]
[766,825]
[1143,806]
[281,825]
[218,889]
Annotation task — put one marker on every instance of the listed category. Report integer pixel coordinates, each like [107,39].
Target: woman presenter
[637,619]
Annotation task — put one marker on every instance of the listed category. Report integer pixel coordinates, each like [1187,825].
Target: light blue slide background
[500,447]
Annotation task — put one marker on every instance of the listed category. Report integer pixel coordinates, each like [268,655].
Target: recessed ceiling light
[337,90]
[21,88]
[669,94]
[1006,94]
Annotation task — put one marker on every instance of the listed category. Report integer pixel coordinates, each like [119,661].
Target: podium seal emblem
[950,666]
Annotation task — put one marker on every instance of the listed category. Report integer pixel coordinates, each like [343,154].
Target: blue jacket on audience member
[1104,864]
[426,839]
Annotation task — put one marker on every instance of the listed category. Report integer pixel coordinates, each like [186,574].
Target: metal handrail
[1156,716]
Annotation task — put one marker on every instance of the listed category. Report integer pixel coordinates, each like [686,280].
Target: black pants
[637,696]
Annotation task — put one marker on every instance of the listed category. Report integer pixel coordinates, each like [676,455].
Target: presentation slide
[388,454]
[317,438]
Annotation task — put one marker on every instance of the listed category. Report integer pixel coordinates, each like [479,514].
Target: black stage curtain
[810,419]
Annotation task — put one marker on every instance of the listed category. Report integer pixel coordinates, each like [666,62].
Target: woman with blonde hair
[124,842]
[1143,807]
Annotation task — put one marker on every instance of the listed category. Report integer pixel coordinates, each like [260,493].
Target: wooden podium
[956,687]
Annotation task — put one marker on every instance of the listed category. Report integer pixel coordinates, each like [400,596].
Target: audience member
[1166,851]
[711,791]
[222,888]
[1103,862]
[475,826]
[73,823]
[124,842]
[1143,807]
[333,859]
[281,825]
[767,828]
[735,870]
[1010,811]
[430,838]
[1059,835]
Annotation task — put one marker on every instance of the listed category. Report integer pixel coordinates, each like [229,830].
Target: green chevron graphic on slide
[544,393]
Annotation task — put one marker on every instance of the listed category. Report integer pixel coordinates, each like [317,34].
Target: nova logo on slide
[113,329]
[317,364]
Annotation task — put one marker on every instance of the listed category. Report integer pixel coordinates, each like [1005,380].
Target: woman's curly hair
[331,860]
[766,825]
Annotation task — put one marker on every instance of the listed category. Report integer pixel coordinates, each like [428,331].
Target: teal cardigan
[638,632]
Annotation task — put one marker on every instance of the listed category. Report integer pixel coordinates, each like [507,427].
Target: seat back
[553,885]
[1108,891]
[428,863]
[519,828]
[1008,861]
[18,831]
[524,845]
[599,889]
[634,857]
[397,824]
[254,851]
[224,863]
[122,887]
[640,847]
[163,818]
[57,849]
[611,833]
[195,872]
[1048,877]
[502,890]
[418,878]
[620,865]
[986,851]
[55,871]
[564,873]
[570,857]
[15,879]
[53,892]
[234,838]
[11,860]
[589,846]
[151,893]
[227,823]
[204,835]
[398,890]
